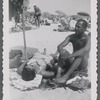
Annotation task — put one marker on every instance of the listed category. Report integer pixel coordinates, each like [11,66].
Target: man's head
[28,73]
[81,26]
[34,6]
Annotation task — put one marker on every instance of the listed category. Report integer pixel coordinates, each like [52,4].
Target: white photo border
[93,50]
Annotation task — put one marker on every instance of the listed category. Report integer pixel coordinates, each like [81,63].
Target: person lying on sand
[78,60]
[39,64]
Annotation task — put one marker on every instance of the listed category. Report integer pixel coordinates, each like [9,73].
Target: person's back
[37,9]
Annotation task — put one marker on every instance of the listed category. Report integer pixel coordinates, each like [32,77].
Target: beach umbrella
[46,15]
[83,14]
[26,13]
[61,13]
[24,7]
[30,10]
[76,17]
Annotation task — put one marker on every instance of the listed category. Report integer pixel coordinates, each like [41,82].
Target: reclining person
[78,60]
[39,64]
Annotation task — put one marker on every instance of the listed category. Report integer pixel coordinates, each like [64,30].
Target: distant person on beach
[72,24]
[47,23]
[37,15]
[78,60]
[17,19]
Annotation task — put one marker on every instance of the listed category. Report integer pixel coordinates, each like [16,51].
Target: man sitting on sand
[78,60]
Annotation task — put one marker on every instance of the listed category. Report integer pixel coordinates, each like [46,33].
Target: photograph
[51,49]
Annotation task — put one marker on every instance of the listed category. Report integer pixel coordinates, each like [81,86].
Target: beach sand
[56,94]
[44,37]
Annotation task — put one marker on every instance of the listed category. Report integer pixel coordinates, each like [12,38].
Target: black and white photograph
[51,50]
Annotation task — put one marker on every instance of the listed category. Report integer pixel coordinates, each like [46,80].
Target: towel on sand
[17,82]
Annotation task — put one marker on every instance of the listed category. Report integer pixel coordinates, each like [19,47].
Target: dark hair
[85,24]
[28,74]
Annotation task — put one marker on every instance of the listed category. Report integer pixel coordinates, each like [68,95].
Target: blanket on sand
[77,83]
[19,83]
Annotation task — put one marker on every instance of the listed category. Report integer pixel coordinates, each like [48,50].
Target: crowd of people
[62,65]
[32,17]
[38,18]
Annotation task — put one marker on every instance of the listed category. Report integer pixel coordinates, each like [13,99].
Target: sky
[70,7]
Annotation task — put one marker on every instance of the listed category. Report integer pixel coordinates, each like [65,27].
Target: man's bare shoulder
[71,37]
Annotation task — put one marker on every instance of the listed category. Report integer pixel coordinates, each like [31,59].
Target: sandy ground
[41,38]
[57,94]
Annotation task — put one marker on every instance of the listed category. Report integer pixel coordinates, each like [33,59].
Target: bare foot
[60,80]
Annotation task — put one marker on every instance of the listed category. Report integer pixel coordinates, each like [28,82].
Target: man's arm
[20,69]
[45,73]
[63,44]
[83,51]
[59,72]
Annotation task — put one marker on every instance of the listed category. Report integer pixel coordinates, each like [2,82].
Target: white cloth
[41,59]
[19,83]
[72,24]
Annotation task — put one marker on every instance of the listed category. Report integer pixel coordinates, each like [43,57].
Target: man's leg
[84,63]
[82,69]
[75,65]
[15,24]
[61,63]
[38,21]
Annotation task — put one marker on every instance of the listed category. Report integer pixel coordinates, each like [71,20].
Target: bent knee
[64,51]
